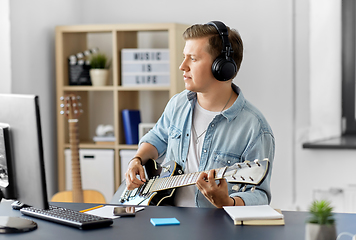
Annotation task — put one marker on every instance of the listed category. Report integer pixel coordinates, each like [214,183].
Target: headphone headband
[224,34]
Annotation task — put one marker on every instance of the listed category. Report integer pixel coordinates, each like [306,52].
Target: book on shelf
[131,119]
[255,215]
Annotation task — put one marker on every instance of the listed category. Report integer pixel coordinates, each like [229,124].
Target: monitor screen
[22,163]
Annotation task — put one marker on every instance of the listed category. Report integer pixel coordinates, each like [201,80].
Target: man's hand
[217,194]
[134,168]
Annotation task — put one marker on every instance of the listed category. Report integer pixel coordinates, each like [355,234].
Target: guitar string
[176,181]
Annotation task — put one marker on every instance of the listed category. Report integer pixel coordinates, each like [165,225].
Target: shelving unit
[103,105]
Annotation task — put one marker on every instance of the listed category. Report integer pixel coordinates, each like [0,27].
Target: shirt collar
[230,113]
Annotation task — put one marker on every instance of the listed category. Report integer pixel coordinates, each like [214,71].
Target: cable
[348,234]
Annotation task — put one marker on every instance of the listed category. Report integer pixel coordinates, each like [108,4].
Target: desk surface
[195,223]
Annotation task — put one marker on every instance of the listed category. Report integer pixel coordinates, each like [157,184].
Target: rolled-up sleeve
[264,147]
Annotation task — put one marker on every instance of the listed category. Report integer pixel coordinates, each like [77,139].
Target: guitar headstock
[71,106]
[252,173]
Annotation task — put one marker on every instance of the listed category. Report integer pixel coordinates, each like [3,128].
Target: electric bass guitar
[163,180]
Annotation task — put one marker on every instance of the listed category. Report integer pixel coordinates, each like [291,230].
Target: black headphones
[224,67]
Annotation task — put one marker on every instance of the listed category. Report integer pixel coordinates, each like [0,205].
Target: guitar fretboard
[177,181]
[76,174]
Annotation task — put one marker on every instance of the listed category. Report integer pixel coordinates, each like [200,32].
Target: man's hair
[215,41]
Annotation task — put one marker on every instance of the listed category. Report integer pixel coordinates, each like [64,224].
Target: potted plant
[321,224]
[99,69]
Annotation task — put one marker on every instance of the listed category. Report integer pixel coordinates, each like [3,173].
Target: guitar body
[138,197]
[89,196]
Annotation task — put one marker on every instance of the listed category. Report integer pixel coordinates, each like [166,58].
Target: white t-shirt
[185,196]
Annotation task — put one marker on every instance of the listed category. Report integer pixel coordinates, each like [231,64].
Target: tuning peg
[257,162]
[243,188]
[81,111]
[61,98]
[236,187]
[78,97]
[61,112]
[62,105]
[253,188]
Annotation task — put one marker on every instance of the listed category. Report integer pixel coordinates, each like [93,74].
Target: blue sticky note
[164,221]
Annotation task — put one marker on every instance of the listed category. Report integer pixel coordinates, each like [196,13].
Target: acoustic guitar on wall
[72,111]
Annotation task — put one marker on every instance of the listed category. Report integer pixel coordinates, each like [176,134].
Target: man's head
[215,45]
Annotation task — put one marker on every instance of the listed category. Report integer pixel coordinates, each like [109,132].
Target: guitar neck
[76,174]
[178,180]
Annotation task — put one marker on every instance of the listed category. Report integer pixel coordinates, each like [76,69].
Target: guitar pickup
[148,186]
[133,192]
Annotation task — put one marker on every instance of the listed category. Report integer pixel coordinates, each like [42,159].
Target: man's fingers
[211,175]
[132,181]
[142,175]
[222,183]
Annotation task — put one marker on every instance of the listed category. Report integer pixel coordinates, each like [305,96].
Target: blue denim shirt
[237,134]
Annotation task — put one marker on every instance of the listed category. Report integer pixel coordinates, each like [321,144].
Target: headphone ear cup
[223,69]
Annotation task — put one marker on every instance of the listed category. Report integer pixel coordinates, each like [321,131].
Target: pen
[89,209]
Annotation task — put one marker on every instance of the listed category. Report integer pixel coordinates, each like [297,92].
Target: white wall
[33,63]
[5,60]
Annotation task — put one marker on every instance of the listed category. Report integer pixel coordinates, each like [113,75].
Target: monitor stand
[16,225]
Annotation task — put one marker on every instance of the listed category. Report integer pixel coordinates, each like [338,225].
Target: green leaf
[321,213]
[98,60]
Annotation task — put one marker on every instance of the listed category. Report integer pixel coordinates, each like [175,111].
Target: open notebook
[255,215]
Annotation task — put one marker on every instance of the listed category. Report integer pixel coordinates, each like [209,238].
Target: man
[210,124]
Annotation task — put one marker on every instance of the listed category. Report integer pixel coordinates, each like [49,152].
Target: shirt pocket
[174,143]
[223,159]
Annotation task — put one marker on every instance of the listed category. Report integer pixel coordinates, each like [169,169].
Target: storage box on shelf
[103,105]
[93,177]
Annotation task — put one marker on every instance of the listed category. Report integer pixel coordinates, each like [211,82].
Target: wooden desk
[196,224]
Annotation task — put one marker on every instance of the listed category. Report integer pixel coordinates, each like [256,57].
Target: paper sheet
[108,211]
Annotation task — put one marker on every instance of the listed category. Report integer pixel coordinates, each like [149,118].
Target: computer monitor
[22,171]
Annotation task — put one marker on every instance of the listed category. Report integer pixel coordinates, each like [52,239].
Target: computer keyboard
[68,217]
